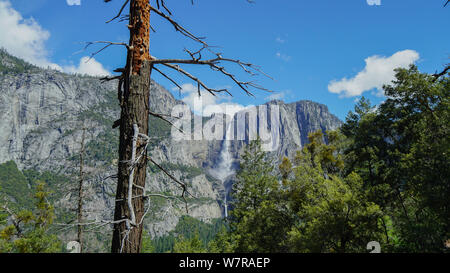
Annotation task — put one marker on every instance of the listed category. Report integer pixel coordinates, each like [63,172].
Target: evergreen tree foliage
[401,150]
[14,184]
[29,231]
[186,229]
[309,207]
[147,244]
[193,245]
[256,221]
[332,212]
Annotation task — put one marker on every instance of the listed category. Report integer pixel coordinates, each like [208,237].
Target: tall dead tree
[81,192]
[133,95]
[134,103]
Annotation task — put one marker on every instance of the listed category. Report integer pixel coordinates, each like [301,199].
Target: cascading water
[249,123]
[224,168]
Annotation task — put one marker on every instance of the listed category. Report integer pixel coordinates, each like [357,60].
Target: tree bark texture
[134,100]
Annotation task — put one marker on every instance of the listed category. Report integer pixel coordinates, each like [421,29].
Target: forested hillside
[384,177]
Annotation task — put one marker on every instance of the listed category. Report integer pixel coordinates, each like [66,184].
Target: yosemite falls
[251,123]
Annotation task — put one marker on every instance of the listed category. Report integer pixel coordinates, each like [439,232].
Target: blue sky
[323,50]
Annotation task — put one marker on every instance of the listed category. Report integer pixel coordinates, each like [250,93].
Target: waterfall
[225,166]
[250,123]
[226,206]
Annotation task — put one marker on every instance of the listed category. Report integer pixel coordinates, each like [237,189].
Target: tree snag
[133,95]
[127,235]
[81,193]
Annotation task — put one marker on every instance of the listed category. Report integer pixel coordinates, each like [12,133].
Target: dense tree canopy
[382,177]
[401,150]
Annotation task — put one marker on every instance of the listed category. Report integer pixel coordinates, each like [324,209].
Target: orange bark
[139,34]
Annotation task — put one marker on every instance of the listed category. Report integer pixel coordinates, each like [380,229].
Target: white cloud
[23,38]
[73,2]
[278,95]
[280,40]
[374,2]
[88,66]
[207,104]
[379,70]
[196,103]
[228,108]
[283,56]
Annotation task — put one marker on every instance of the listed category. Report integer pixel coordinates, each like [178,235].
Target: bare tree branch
[107,79]
[446,69]
[197,80]
[120,11]
[108,44]
[182,185]
[14,219]
[179,28]
[167,77]
[160,116]
[162,3]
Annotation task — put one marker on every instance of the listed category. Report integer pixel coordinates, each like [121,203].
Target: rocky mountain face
[43,114]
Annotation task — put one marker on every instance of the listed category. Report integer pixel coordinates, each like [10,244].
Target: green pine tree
[401,151]
[332,212]
[29,231]
[193,245]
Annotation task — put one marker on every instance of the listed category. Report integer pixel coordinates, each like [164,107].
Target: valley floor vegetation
[383,176]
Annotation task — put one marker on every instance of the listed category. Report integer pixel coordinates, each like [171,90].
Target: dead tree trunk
[134,100]
[80,194]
